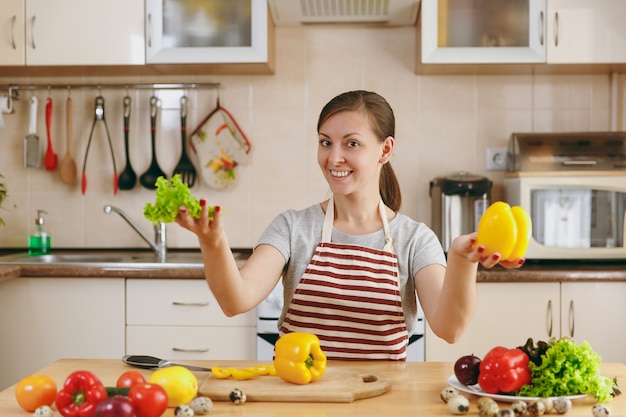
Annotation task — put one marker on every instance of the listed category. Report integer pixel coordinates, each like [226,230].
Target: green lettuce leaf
[169,197]
[568,369]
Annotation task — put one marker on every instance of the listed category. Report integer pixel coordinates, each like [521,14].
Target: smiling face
[350,154]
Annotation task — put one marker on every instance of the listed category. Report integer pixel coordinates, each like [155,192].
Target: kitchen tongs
[99,115]
[151,362]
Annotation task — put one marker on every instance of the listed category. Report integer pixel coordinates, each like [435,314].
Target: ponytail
[390,188]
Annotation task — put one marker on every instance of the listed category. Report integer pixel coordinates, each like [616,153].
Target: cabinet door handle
[192,304]
[32,33]
[199,350]
[571,319]
[549,318]
[13,31]
[556,29]
[149,30]
[541,28]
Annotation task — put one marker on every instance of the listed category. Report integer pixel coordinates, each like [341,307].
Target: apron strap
[329,217]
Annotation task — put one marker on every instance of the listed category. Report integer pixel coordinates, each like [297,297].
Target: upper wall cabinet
[491,31]
[12,23]
[523,31]
[586,31]
[210,31]
[78,32]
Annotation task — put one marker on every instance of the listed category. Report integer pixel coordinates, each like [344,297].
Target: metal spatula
[151,362]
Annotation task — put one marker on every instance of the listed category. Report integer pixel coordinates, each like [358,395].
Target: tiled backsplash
[444,124]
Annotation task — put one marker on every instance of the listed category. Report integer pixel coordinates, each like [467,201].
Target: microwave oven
[572,217]
[574,188]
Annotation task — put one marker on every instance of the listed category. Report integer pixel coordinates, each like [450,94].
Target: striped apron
[349,296]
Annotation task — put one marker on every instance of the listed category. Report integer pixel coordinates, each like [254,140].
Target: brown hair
[383,123]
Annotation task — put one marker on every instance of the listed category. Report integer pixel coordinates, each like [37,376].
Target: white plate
[476,390]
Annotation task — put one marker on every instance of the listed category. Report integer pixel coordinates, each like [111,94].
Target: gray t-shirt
[296,233]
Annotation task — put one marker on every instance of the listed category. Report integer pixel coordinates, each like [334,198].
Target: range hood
[387,12]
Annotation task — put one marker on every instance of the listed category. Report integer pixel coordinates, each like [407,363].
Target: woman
[352,266]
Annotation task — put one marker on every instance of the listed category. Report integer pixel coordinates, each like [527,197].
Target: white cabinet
[506,315]
[583,31]
[509,313]
[594,311]
[12,22]
[180,319]
[530,31]
[506,31]
[72,32]
[212,31]
[45,319]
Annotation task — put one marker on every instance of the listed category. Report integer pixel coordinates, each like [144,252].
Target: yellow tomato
[34,391]
[179,383]
[524,231]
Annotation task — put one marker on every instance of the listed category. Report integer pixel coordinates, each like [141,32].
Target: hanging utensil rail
[14,89]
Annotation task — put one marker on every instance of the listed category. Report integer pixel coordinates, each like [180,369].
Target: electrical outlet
[496,159]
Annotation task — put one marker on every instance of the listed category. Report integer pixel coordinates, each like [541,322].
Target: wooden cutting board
[338,385]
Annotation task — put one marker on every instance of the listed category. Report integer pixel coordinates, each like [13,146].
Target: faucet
[159,245]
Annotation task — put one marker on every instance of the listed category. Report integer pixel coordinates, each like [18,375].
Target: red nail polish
[202,202]
[217,209]
[473,240]
[481,249]
[182,210]
[495,256]
[521,261]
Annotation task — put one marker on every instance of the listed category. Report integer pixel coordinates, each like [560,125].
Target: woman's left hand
[477,253]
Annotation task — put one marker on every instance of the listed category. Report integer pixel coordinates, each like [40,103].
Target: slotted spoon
[185,167]
[148,178]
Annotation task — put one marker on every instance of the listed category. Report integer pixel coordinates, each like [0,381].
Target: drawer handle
[549,318]
[198,304]
[201,350]
[571,319]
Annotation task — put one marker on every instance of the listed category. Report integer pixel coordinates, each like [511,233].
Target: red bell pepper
[504,370]
[81,393]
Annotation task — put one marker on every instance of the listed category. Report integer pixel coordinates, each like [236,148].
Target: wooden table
[415,391]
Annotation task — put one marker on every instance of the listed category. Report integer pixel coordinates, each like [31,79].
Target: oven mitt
[220,146]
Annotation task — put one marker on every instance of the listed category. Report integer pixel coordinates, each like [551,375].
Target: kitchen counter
[532,271]
[415,391]
[561,271]
[9,272]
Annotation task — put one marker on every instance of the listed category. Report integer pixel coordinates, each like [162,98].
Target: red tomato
[148,400]
[130,378]
[34,391]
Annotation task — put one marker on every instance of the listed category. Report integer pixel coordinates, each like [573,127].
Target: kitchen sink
[107,258]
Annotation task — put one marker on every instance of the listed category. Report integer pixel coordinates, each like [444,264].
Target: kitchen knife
[151,362]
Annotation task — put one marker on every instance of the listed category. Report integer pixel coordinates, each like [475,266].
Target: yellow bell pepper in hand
[299,358]
[505,229]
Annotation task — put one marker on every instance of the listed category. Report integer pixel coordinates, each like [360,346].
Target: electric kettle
[457,203]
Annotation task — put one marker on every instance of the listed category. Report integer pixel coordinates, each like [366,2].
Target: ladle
[148,178]
[127,178]
[68,163]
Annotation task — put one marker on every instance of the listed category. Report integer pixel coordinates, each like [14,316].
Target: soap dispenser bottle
[39,240]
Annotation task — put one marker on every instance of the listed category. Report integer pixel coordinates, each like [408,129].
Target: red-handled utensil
[51,158]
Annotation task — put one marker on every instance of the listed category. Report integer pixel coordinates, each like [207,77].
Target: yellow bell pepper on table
[299,358]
